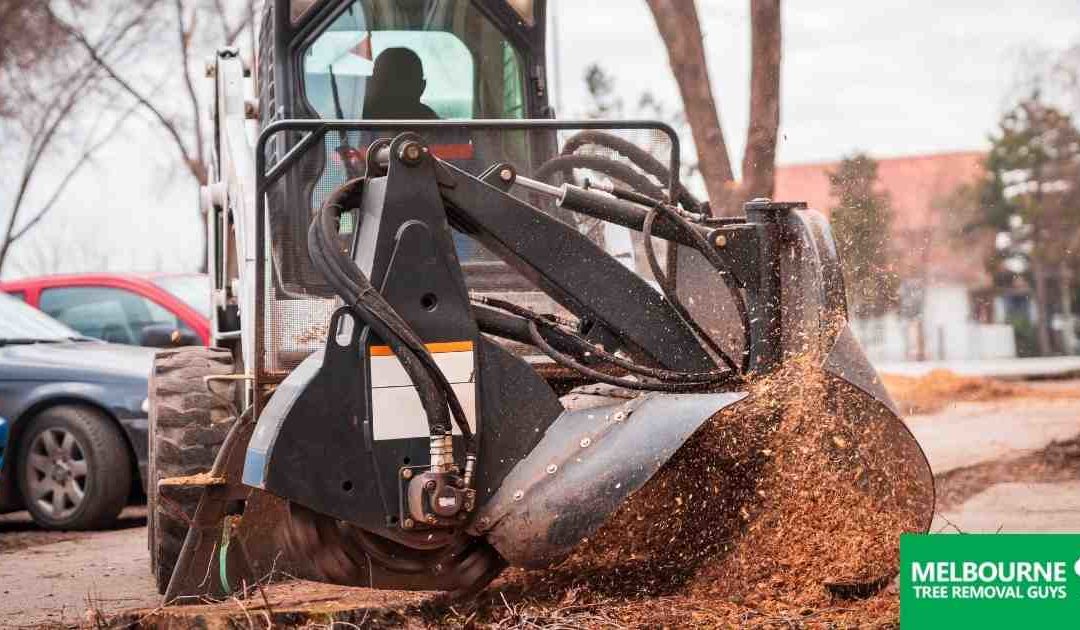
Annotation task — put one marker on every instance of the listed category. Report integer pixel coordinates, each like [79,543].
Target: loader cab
[395,59]
[411,59]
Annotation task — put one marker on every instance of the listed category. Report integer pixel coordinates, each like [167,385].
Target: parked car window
[115,315]
[18,295]
[20,322]
[193,290]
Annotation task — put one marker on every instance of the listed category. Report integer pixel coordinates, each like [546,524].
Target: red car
[156,310]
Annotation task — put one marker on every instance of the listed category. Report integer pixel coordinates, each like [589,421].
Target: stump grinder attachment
[466,343]
[415,451]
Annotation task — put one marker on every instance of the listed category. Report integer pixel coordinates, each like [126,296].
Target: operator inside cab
[395,87]
[413,59]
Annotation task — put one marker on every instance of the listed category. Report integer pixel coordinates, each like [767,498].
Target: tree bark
[1068,333]
[1042,319]
[759,159]
[677,22]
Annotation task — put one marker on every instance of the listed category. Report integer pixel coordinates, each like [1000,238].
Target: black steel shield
[586,465]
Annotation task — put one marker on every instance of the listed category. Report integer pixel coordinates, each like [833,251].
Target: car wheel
[187,426]
[74,468]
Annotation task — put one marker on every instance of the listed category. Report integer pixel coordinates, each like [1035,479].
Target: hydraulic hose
[570,339]
[671,294]
[369,306]
[640,157]
[710,255]
[572,363]
[648,194]
[612,168]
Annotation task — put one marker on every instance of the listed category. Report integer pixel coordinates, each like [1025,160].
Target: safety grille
[296,301]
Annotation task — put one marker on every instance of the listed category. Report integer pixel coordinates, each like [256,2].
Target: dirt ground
[51,578]
[1005,457]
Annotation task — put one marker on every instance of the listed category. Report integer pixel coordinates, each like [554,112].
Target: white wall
[948,333]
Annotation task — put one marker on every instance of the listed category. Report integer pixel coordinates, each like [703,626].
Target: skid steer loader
[453,333]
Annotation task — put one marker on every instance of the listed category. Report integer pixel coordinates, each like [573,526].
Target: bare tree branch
[84,158]
[187,133]
[198,169]
[61,100]
[166,123]
[51,121]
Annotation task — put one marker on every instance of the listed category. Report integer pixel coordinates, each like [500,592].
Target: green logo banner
[989,581]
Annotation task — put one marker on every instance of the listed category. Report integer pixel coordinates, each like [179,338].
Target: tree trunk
[677,21]
[1042,319]
[759,159]
[1068,332]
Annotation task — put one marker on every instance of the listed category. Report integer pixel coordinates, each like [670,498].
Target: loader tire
[187,426]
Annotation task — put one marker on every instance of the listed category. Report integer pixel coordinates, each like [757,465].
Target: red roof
[916,185]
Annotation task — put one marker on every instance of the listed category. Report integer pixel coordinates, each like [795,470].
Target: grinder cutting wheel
[456,351]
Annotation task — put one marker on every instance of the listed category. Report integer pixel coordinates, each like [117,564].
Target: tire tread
[187,426]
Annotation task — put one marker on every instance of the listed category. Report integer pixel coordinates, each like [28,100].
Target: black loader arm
[570,268]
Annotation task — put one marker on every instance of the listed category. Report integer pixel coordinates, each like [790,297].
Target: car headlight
[145,406]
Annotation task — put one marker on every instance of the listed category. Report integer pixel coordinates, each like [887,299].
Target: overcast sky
[891,78]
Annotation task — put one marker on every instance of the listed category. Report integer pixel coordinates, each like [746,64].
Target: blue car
[73,447]
[3,440]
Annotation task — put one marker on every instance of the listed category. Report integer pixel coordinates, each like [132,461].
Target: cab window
[433,59]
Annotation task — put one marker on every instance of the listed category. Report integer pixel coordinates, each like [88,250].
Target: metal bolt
[720,241]
[619,416]
[506,175]
[407,473]
[430,486]
[551,469]
[411,152]
[408,523]
[519,495]
[585,442]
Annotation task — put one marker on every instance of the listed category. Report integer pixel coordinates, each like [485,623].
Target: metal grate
[297,303]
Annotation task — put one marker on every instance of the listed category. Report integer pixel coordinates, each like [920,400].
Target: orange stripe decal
[434,348]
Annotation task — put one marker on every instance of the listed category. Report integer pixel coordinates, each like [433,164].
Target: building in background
[949,308]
